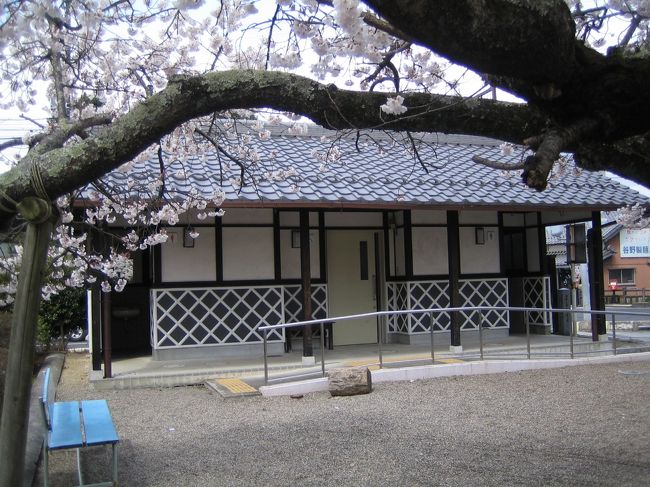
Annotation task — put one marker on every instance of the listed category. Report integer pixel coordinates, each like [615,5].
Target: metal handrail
[481,309]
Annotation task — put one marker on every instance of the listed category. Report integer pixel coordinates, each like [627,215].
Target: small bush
[60,314]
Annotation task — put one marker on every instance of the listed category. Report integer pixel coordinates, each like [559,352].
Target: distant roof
[611,231]
[374,168]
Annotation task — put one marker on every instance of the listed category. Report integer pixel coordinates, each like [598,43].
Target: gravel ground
[583,425]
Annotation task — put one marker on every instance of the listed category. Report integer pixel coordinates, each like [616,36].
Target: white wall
[514,220]
[292,218]
[353,219]
[428,217]
[474,258]
[247,215]
[430,255]
[248,253]
[290,257]
[478,217]
[188,264]
[563,216]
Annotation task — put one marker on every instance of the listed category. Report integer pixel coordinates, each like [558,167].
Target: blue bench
[77,424]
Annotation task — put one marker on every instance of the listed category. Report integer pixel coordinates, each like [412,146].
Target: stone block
[350,381]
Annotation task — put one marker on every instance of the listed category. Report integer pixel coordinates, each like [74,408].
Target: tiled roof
[378,169]
[611,231]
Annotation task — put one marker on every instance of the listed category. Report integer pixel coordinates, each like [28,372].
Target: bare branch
[25,117]
[46,142]
[11,143]
[270,37]
[502,166]
[221,150]
[537,167]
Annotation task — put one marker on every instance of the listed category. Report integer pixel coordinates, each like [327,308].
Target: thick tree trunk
[66,169]
[20,366]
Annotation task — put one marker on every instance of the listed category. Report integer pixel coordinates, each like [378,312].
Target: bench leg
[46,454]
[81,480]
[114,464]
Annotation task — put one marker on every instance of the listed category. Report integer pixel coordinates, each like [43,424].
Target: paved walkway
[146,372]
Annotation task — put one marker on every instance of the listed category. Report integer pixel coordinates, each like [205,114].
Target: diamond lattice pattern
[485,292]
[426,295]
[216,316]
[536,293]
[293,307]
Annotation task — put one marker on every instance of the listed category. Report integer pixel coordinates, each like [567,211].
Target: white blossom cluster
[77,58]
[72,264]
[393,105]
[632,216]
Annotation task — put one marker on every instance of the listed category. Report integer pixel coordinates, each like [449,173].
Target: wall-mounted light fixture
[188,239]
[479,235]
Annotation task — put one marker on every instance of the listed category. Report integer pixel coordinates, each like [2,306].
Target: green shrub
[60,314]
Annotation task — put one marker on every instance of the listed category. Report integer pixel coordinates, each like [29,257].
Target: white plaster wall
[289,218]
[478,217]
[513,219]
[532,244]
[292,218]
[428,217]
[353,219]
[248,253]
[430,255]
[247,215]
[531,219]
[558,217]
[188,264]
[290,257]
[475,258]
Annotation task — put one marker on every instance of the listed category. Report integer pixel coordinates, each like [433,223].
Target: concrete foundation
[225,351]
[444,336]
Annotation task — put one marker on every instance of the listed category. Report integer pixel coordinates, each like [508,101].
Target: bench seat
[77,424]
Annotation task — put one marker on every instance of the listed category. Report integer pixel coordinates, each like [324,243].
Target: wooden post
[20,362]
[453,248]
[106,335]
[305,274]
[96,343]
[596,275]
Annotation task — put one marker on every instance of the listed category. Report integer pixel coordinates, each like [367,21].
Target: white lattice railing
[191,317]
[537,292]
[485,292]
[435,294]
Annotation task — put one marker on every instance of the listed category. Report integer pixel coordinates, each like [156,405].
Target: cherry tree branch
[67,168]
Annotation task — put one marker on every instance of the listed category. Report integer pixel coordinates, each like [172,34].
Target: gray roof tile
[375,175]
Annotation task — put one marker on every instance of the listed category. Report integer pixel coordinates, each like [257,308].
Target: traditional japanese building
[363,221]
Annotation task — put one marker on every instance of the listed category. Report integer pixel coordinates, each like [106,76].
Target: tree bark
[537,44]
[66,169]
[20,366]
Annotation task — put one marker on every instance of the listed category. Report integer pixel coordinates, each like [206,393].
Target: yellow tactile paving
[401,358]
[450,360]
[372,364]
[236,385]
